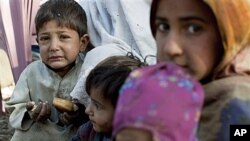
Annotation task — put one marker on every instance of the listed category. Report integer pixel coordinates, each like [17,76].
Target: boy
[61,27]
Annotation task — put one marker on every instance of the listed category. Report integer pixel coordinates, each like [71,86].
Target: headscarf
[162,99]
[233,19]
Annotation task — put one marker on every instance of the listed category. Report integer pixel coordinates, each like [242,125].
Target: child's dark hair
[66,13]
[110,74]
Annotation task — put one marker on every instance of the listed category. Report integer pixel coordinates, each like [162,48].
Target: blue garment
[86,133]
[227,102]
[236,112]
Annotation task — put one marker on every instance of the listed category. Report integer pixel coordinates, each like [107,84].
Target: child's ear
[84,40]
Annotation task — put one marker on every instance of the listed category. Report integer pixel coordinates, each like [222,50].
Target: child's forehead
[179,12]
[97,95]
[54,25]
[180,6]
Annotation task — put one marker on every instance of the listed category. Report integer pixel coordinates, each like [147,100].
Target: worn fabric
[227,96]
[115,28]
[162,99]
[38,82]
[87,133]
[227,102]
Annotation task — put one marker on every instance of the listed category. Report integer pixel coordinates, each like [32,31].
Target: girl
[102,85]
[158,103]
[211,40]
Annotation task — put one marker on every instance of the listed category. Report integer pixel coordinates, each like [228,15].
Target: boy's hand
[77,118]
[67,118]
[39,112]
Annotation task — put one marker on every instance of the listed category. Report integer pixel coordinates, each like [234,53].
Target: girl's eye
[163,27]
[194,28]
[97,106]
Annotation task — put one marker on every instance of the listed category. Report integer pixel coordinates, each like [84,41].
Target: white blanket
[115,27]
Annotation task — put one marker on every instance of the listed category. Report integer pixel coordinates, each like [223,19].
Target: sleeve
[16,105]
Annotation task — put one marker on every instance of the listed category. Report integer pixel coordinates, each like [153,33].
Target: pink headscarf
[162,99]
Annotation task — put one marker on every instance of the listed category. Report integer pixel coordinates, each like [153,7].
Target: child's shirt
[87,133]
[38,82]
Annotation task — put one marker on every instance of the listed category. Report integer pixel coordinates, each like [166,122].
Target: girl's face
[187,34]
[133,134]
[100,112]
[60,46]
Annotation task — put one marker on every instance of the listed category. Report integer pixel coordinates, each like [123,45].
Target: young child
[102,85]
[211,40]
[115,27]
[61,27]
[158,103]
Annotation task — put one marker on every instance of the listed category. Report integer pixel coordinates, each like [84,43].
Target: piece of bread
[64,105]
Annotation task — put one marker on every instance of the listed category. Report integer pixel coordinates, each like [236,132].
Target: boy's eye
[64,36]
[43,38]
[163,27]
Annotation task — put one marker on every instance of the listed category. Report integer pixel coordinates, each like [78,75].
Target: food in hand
[64,105]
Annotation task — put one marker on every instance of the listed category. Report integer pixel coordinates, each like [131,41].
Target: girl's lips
[185,68]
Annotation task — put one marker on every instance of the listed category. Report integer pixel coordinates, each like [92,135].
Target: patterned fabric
[162,99]
[227,98]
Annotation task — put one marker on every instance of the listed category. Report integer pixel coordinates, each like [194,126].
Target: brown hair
[65,12]
[110,74]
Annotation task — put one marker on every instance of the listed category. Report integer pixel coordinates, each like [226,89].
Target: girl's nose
[88,109]
[172,47]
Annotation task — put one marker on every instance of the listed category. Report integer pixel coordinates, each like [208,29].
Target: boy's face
[60,46]
[100,111]
[133,134]
[187,34]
